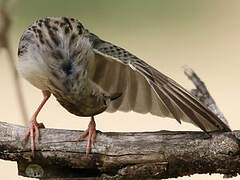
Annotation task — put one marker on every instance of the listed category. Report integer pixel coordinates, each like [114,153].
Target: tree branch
[161,154]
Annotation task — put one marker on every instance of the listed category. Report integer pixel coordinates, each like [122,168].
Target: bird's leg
[91,132]
[34,125]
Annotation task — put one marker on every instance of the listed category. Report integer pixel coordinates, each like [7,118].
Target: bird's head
[53,47]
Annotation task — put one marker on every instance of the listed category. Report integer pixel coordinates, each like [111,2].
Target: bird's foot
[91,132]
[33,127]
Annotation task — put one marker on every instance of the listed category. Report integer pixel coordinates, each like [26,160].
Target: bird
[88,75]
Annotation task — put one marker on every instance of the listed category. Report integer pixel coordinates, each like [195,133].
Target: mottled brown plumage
[88,75]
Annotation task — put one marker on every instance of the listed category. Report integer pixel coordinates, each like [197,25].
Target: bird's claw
[34,126]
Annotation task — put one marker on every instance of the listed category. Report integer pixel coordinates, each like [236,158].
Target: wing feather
[144,89]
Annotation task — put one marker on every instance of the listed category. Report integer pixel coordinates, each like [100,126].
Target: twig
[4,43]
[163,154]
[203,94]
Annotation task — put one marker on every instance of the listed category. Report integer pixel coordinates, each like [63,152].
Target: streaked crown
[54,35]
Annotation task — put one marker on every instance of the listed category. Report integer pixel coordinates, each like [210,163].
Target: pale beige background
[203,34]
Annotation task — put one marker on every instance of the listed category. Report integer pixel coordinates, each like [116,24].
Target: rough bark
[162,154]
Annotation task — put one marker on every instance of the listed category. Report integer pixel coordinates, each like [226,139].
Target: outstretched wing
[144,89]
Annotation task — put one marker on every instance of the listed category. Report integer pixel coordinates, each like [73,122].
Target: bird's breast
[87,105]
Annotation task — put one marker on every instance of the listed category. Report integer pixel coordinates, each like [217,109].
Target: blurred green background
[167,34]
